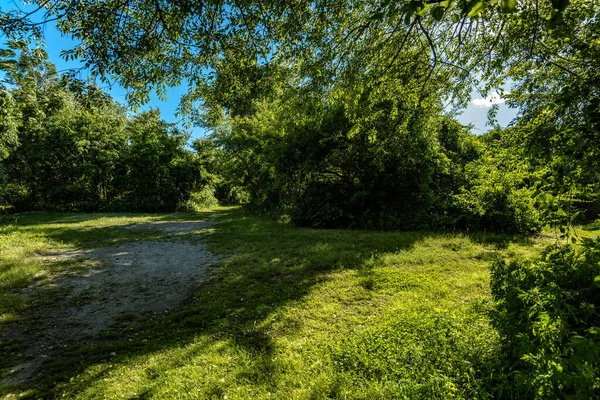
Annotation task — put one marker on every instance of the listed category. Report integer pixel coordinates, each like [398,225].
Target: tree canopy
[154,44]
[67,145]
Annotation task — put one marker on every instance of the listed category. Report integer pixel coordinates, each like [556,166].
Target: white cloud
[492,99]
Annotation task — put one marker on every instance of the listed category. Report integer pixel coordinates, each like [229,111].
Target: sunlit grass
[290,313]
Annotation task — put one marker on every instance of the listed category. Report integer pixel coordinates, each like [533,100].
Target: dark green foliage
[216,165]
[391,165]
[386,166]
[549,322]
[74,148]
[156,172]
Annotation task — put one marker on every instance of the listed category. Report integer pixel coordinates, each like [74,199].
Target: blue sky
[55,43]
[475,113]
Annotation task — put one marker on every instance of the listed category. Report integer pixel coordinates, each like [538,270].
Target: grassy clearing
[291,313]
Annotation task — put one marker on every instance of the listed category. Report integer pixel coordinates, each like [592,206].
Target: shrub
[201,200]
[488,205]
[325,205]
[434,178]
[549,323]
[228,193]
[495,203]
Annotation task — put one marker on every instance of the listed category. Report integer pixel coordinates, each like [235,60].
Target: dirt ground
[124,281]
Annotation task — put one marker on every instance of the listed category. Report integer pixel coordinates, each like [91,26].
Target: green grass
[291,313]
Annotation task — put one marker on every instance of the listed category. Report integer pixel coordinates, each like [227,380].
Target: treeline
[69,146]
[387,156]
[359,156]
[394,161]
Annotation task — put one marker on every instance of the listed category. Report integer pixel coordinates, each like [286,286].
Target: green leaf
[455,18]
[560,4]
[438,13]
[556,17]
[476,9]
[378,16]
[508,5]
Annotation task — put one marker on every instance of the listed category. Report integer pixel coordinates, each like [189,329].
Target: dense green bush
[201,200]
[216,165]
[549,323]
[427,178]
[372,158]
[155,170]
[494,200]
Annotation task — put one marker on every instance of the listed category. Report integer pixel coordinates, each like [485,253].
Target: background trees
[394,163]
[68,146]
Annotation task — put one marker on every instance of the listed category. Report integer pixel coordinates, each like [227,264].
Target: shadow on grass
[499,241]
[268,265]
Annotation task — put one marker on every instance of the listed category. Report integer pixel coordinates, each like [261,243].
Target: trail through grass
[288,313]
